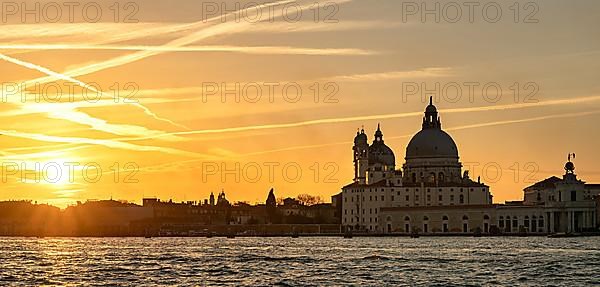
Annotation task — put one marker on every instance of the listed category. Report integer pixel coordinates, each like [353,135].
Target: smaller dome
[381,154]
[360,138]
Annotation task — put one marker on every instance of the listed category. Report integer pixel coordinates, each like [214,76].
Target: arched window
[425,218]
[445,217]
[432,177]
[441,177]
[465,217]
[486,217]
[406,218]
[389,218]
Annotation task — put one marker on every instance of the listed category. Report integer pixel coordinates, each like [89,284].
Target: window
[465,217]
[486,217]
[406,218]
[573,195]
[392,198]
[428,197]
[440,197]
[445,217]
[407,198]
[461,198]
[425,218]
[382,198]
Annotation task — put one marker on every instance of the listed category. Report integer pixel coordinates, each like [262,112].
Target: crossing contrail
[208,32]
[259,50]
[81,84]
[457,128]
[384,116]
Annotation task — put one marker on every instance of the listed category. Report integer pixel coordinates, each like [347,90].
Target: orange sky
[356,64]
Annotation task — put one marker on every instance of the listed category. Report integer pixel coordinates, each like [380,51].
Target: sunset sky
[360,55]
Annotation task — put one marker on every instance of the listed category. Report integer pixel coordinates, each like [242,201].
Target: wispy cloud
[456,128]
[101,142]
[258,50]
[571,101]
[394,75]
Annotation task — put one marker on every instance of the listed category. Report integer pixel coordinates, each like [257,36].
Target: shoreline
[338,235]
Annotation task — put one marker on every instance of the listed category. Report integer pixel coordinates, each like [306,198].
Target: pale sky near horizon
[368,58]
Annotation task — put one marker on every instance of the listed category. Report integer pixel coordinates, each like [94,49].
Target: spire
[378,134]
[431,100]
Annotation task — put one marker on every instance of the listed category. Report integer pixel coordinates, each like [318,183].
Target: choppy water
[300,262]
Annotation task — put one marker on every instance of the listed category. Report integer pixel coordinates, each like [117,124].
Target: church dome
[379,152]
[431,143]
[360,137]
[382,154]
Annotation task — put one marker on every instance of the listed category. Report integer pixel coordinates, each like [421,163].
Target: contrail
[101,142]
[464,127]
[81,84]
[211,31]
[259,50]
[157,168]
[385,116]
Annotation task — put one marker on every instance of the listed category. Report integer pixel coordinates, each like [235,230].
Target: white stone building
[431,194]
[432,176]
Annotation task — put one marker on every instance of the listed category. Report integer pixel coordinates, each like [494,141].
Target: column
[551,222]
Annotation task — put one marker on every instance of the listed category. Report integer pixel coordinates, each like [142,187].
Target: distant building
[431,194]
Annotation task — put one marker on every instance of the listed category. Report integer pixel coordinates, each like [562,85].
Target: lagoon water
[318,261]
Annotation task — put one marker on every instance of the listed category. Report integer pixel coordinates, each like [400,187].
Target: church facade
[432,194]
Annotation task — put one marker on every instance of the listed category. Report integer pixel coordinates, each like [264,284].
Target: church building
[432,194]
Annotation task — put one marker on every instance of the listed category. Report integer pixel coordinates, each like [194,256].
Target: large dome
[431,143]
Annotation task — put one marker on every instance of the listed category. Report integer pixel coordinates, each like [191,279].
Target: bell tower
[360,156]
